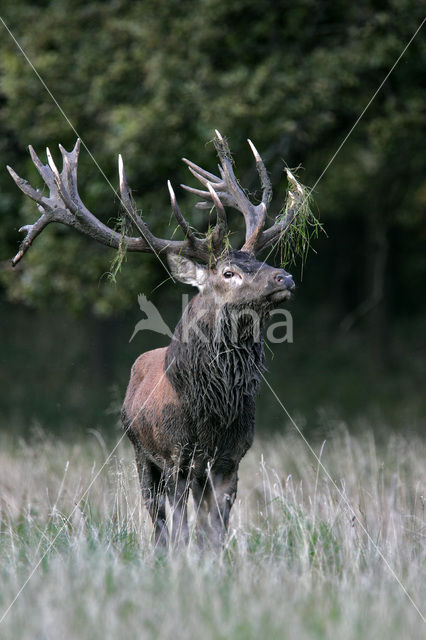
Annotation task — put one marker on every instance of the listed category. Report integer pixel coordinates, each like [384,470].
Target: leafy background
[152,80]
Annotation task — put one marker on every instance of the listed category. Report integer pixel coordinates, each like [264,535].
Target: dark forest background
[152,80]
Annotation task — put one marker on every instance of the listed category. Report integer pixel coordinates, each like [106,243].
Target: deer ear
[187,271]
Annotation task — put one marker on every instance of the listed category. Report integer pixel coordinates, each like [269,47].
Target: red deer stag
[189,409]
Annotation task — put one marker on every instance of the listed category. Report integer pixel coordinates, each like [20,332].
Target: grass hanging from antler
[305,227]
[122,227]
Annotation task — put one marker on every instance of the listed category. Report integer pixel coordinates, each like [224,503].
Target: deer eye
[228,274]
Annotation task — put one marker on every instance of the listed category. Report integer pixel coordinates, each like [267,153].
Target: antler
[230,193]
[64,205]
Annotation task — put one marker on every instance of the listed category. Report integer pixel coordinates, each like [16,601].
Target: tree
[153,79]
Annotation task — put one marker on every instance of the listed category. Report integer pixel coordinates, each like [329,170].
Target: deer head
[236,279]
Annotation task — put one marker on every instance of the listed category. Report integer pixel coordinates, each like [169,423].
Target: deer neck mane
[214,365]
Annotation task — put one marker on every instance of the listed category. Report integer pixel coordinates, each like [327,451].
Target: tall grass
[296,565]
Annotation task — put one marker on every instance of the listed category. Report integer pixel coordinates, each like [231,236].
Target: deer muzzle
[282,284]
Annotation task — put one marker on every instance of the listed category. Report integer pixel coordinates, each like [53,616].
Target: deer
[189,409]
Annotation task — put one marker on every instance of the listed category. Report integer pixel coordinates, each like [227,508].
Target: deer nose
[285,279]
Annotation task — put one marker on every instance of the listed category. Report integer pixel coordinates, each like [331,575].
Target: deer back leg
[214,496]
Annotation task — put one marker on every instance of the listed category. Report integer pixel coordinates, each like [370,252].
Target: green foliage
[317,538]
[120,255]
[297,240]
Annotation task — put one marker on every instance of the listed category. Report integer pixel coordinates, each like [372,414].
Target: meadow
[304,556]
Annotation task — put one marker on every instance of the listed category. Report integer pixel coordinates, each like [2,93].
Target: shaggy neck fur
[214,377]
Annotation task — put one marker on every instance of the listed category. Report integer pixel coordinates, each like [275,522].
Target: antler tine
[221,227]
[263,175]
[52,165]
[44,170]
[129,206]
[206,194]
[69,172]
[219,230]
[218,183]
[60,183]
[202,172]
[72,159]
[188,233]
[124,189]
[33,231]
[24,186]
[205,177]
[196,192]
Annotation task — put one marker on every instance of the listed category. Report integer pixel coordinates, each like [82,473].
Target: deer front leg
[201,493]
[223,494]
[177,489]
[214,497]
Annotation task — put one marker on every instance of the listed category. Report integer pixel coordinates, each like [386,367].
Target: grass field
[297,564]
